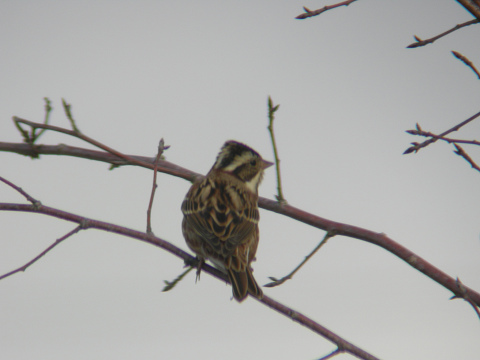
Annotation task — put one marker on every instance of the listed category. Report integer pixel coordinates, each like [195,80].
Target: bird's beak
[266,164]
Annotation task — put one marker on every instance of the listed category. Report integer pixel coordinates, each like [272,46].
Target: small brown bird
[221,216]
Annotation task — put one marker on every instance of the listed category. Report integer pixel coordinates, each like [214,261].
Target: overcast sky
[198,73]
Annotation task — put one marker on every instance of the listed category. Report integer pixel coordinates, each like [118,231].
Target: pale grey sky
[197,74]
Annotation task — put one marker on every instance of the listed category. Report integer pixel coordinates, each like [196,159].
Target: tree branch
[421,42]
[332,354]
[473,6]
[43,253]
[416,146]
[467,62]
[460,152]
[379,239]
[148,238]
[309,13]
[34,201]
[276,282]
[443,138]
[372,237]
[271,117]
[79,135]
[161,147]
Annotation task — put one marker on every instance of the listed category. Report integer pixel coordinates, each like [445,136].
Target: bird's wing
[223,215]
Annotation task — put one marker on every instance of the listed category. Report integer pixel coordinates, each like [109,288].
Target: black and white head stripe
[231,152]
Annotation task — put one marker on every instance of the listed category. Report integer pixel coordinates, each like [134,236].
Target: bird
[220,216]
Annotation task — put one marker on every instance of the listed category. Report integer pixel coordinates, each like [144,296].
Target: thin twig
[467,62]
[459,151]
[332,354]
[416,146]
[438,137]
[169,285]
[421,42]
[32,137]
[25,135]
[309,13]
[271,117]
[43,253]
[161,147]
[130,160]
[276,282]
[48,111]
[34,201]
[68,111]
[474,307]
[464,295]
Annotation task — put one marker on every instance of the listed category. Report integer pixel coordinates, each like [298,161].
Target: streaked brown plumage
[221,215]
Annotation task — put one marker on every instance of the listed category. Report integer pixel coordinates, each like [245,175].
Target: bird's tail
[243,282]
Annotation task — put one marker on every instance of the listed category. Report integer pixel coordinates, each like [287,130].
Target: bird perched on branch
[221,216]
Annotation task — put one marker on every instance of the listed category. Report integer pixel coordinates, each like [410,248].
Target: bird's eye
[253,162]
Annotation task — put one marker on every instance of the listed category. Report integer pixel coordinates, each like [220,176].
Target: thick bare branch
[372,237]
[335,227]
[148,238]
